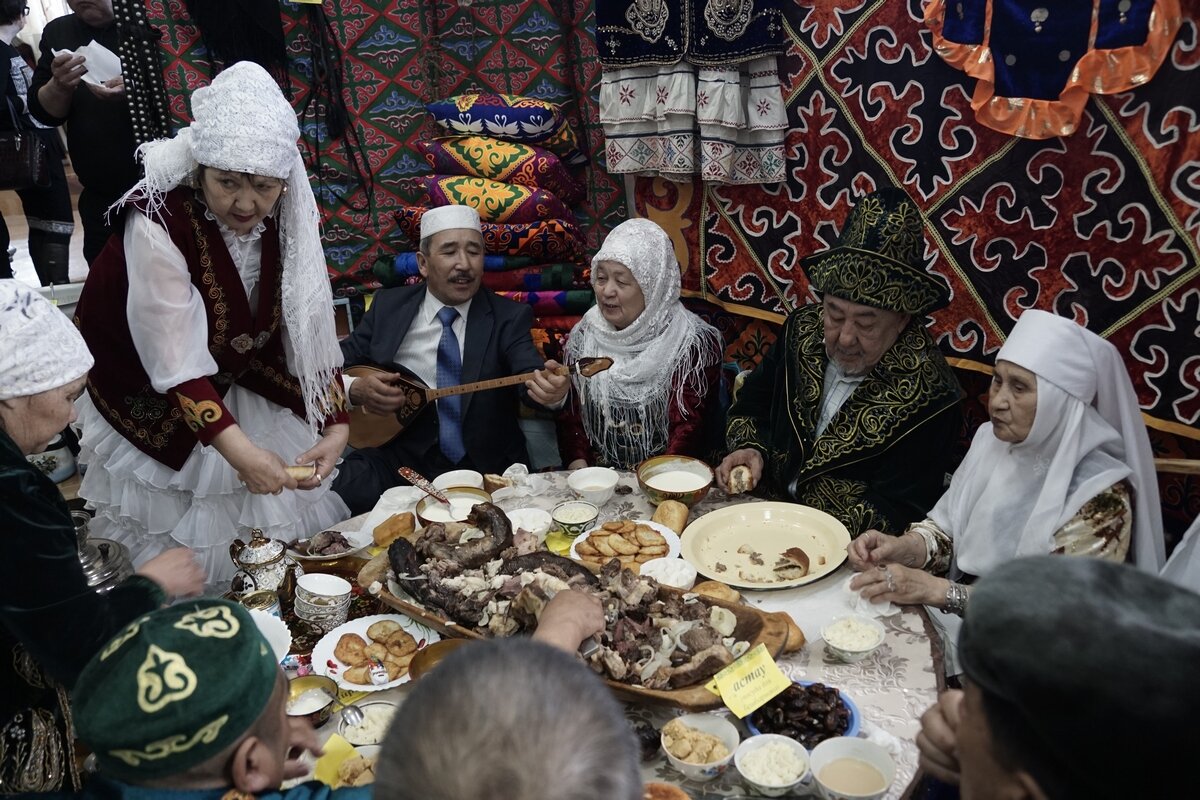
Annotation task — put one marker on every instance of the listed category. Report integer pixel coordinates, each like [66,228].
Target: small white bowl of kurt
[773,765]
[705,743]
[849,768]
[852,637]
[594,484]
[674,572]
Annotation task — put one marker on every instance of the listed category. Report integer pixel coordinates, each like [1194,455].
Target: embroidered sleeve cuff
[743,432]
[339,393]
[202,408]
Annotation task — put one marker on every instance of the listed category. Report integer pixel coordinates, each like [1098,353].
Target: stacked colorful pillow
[506,160]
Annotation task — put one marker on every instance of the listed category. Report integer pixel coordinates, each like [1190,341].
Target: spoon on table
[351,714]
[418,480]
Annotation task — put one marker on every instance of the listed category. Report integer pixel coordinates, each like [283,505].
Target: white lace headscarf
[1007,500]
[655,358]
[243,123]
[40,349]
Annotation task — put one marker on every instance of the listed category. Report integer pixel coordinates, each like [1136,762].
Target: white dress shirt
[837,389]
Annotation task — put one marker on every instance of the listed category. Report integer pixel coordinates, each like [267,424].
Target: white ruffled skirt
[150,508]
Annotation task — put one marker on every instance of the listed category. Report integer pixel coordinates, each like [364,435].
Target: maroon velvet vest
[246,343]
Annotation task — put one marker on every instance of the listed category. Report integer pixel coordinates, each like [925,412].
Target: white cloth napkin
[860,605]
[524,484]
[396,500]
[873,733]
[102,64]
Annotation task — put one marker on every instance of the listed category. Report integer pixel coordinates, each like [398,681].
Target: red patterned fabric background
[396,58]
[1102,226]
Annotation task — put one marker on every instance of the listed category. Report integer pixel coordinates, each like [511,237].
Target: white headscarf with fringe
[655,358]
[243,123]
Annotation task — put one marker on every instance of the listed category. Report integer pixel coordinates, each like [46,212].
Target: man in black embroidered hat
[1080,685]
[854,410]
[190,702]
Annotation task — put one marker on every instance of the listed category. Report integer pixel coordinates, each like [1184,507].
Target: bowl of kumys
[852,637]
[773,765]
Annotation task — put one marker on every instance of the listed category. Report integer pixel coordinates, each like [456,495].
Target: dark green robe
[51,623]
[882,460]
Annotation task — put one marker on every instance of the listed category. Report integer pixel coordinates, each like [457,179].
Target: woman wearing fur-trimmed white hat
[217,365]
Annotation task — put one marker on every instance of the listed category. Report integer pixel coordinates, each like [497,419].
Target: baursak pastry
[671,513]
[740,480]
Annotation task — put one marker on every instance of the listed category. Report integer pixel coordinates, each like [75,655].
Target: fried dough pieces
[632,542]
[389,644]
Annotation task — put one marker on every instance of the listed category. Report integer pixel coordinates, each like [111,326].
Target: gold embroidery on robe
[198,415]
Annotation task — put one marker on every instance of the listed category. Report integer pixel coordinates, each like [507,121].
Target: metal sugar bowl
[262,563]
[105,563]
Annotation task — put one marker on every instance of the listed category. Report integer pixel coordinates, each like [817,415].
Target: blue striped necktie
[449,373]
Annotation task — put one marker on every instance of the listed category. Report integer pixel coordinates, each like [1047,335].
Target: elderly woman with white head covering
[1063,467]
[212,326]
[666,360]
[51,622]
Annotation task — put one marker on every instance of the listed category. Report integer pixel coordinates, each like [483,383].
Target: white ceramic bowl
[670,572]
[841,747]
[720,727]
[458,477]
[594,484]
[849,653]
[757,742]
[319,589]
[372,708]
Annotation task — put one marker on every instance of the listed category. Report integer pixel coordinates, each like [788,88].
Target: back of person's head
[186,697]
[11,11]
[509,720]
[1084,674]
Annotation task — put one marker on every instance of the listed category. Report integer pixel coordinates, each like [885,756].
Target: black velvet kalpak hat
[879,258]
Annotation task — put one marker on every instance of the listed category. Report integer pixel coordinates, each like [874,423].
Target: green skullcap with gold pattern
[879,259]
[174,689]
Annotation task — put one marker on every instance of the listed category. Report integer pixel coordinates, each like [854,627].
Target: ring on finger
[891,580]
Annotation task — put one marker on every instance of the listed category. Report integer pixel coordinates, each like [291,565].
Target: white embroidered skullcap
[40,349]
[259,138]
[444,218]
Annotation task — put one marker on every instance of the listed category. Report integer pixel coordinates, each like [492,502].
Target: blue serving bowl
[855,717]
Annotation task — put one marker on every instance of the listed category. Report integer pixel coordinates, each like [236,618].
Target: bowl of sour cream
[680,478]
[574,517]
[852,637]
[462,500]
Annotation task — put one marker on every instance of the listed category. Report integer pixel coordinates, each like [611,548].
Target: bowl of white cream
[462,500]
[575,516]
[680,478]
[852,637]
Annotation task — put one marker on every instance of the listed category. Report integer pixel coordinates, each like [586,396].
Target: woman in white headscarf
[51,621]
[1063,467]
[211,320]
[666,361]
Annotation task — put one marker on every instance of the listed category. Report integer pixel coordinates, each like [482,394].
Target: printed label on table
[749,682]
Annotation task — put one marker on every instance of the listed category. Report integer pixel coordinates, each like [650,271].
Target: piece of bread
[393,528]
[663,791]
[740,480]
[671,513]
[301,473]
[717,590]
[492,482]
[795,636]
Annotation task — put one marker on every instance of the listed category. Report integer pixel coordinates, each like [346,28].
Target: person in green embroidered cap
[190,700]
[854,410]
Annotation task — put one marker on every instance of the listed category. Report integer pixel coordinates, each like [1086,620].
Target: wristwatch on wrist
[956,599]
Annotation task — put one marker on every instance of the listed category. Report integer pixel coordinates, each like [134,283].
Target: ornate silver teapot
[262,563]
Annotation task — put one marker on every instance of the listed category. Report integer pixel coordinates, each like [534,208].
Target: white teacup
[322,600]
[854,754]
[594,484]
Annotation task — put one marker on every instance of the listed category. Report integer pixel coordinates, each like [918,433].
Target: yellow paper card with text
[749,682]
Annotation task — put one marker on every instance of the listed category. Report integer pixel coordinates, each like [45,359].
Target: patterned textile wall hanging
[397,57]
[1102,226]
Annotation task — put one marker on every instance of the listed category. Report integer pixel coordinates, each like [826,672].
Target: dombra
[376,430]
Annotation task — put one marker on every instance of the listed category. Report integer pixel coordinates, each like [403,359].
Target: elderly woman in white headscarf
[1063,467]
[666,361]
[210,317]
[51,622]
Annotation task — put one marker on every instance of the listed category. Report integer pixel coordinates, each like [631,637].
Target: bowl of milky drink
[462,500]
[680,478]
[594,484]
[847,768]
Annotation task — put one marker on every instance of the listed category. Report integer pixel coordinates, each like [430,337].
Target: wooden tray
[755,626]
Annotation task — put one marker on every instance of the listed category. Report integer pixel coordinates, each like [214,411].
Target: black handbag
[23,157]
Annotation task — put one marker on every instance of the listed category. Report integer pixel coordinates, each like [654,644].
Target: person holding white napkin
[1064,467]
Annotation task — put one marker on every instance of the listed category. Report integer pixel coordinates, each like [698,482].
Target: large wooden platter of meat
[479,580]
